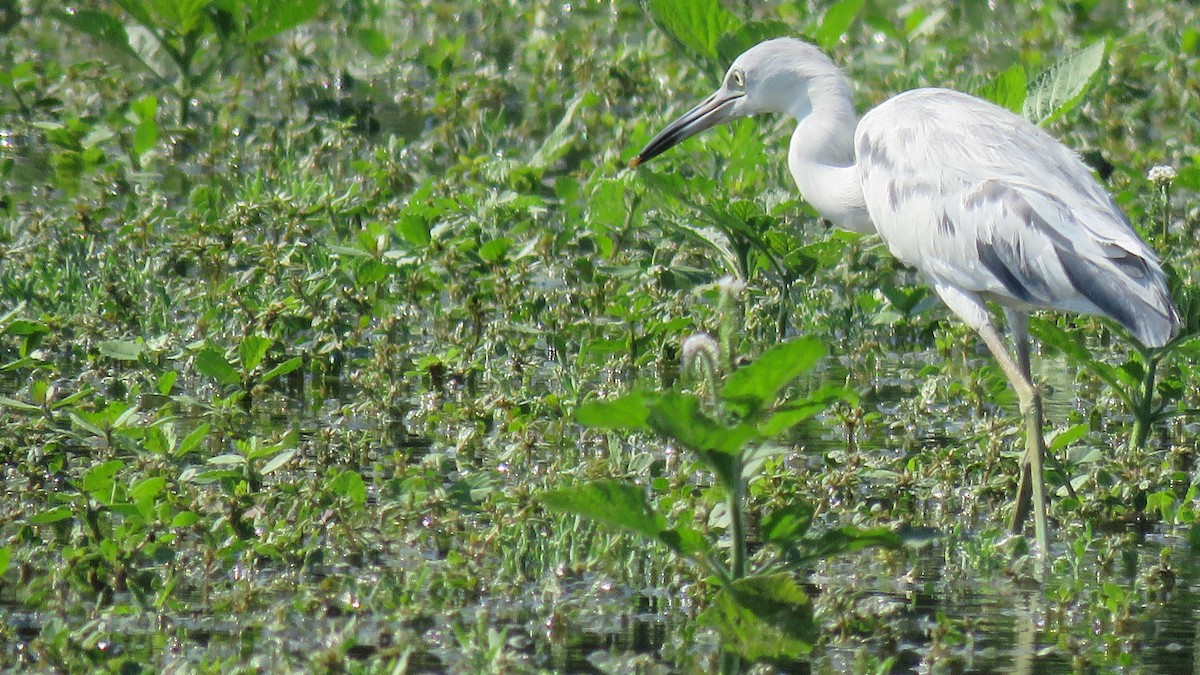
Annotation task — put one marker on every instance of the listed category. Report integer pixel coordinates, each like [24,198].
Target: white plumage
[986,205]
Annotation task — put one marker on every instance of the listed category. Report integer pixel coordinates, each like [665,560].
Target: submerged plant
[760,610]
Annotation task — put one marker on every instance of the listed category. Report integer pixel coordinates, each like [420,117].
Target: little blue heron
[986,205]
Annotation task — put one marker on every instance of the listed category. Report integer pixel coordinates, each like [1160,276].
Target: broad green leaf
[766,617]
[272,17]
[26,327]
[122,350]
[184,519]
[99,478]
[278,461]
[1062,86]
[147,488]
[628,412]
[349,484]
[283,368]
[1007,89]
[53,515]
[611,502]
[679,417]
[845,540]
[696,25]
[252,350]
[103,26]
[193,439]
[166,382]
[212,363]
[145,136]
[754,386]
[787,525]
[717,239]
[5,557]
[837,20]
[685,541]
[1067,436]
[492,251]
[792,413]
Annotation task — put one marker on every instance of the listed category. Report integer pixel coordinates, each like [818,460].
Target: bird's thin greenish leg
[1035,448]
[1018,325]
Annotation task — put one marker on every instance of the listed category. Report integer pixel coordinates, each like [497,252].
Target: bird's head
[771,77]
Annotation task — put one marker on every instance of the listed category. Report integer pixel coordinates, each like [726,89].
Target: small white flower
[699,346]
[731,287]
[1163,174]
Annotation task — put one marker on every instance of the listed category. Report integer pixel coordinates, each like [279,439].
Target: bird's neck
[821,157]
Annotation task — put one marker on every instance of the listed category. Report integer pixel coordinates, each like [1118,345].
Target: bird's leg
[1032,487]
[971,309]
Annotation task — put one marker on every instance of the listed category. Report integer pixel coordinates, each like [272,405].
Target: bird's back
[980,199]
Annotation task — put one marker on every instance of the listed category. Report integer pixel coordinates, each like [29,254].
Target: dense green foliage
[299,301]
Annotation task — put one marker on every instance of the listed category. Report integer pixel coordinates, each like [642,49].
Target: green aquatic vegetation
[197,38]
[426,203]
[760,611]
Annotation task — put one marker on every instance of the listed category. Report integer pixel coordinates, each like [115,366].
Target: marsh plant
[737,417]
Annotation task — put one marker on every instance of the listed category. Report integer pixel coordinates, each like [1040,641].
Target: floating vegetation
[307,308]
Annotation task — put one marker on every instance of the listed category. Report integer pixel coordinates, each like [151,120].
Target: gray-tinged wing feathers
[980,199]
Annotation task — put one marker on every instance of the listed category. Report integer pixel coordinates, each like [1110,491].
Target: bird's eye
[738,79]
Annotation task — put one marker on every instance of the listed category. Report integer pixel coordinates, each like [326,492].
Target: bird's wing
[982,200]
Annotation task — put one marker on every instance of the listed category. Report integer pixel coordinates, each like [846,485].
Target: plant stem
[737,526]
[1144,413]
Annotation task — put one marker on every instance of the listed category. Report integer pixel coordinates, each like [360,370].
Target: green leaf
[252,350]
[718,446]
[5,557]
[185,519]
[192,440]
[766,617]
[754,387]
[147,488]
[212,363]
[103,26]
[614,503]
[145,136]
[1007,89]
[272,17]
[26,327]
[18,405]
[837,20]
[844,540]
[787,525]
[1063,85]
[53,515]
[166,382]
[278,461]
[627,413]
[350,484]
[792,413]
[283,368]
[122,350]
[696,25]
[375,42]
[98,480]
[1067,436]
[492,251]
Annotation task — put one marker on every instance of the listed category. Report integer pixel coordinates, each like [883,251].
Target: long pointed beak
[714,110]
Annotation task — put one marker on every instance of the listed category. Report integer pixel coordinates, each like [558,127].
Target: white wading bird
[985,204]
